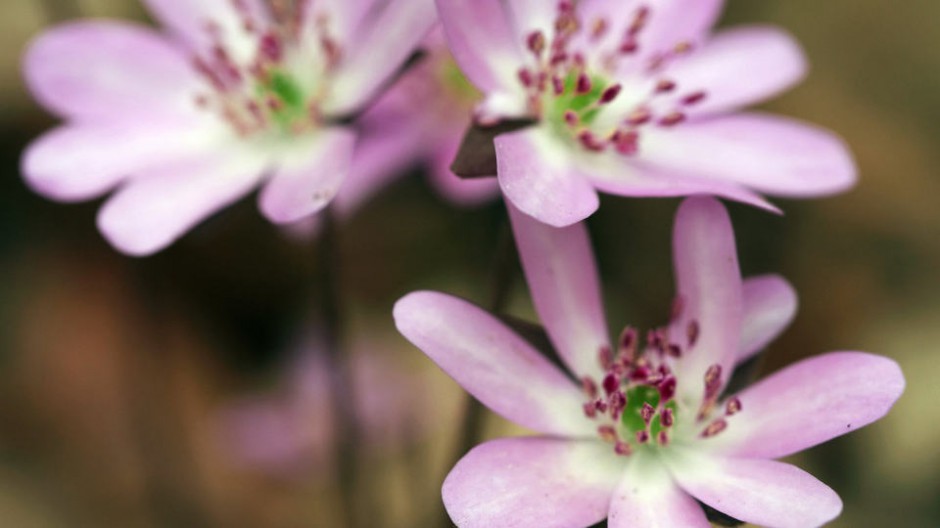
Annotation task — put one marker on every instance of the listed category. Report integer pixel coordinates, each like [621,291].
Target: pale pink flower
[639,432]
[637,98]
[236,94]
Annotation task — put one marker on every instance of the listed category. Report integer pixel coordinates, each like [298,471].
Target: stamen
[714,428]
[692,333]
[733,406]
[610,94]
[665,86]
[672,119]
[693,98]
[536,43]
[607,433]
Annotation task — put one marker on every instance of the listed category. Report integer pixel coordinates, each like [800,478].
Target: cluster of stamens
[262,94]
[635,401]
[563,89]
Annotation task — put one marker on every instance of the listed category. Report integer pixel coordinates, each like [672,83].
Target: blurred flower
[291,430]
[240,93]
[647,430]
[633,98]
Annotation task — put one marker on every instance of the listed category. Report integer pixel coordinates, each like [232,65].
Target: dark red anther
[643,436]
[590,410]
[607,433]
[589,386]
[617,401]
[622,448]
[665,86]
[599,28]
[692,332]
[589,141]
[628,144]
[628,338]
[712,382]
[600,405]
[583,85]
[640,18]
[536,43]
[663,438]
[667,389]
[667,418]
[672,119]
[606,357]
[610,384]
[558,57]
[647,412]
[610,94]
[733,406]
[558,85]
[714,428]
[629,45]
[640,373]
[693,98]
[525,77]
[674,350]
[271,47]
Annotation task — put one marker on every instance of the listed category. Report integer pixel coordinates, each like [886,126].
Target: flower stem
[343,411]
[501,279]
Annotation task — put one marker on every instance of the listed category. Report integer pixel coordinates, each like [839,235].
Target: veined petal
[769,154]
[762,492]
[708,283]
[810,402]
[492,363]
[536,176]
[195,23]
[739,67]
[769,307]
[562,275]
[533,482]
[483,41]
[647,497]
[160,205]
[82,161]
[377,52]
[109,70]
[625,178]
[310,177]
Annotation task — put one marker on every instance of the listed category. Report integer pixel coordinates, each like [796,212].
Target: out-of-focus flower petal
[762,492]
[562,275]
[82,161]
[708,281]
[198,23]
[648,497]
[809,403]
[739,67]
[158,207]
[309,177]
[492,363]
[770,154]
[377,52]
[109,70]
[532,483]
[536,176]
[483,42]
[769,307]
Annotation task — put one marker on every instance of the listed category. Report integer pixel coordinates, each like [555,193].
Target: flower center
[268,75]
[569,85]
[635,403]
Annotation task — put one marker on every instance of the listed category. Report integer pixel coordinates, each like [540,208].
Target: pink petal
[78,162]
[647,497]
[309,178]
[627,178]
[160,205]
[811,402]
[483,42]
[532,15]
[532,483]
[762,492]
[769,307]
[673,22]
[769,154]
[562,276]
[739,67]
[377,52]
[109,70]
[538,179]
[492,363]
[190,21]
[708,282]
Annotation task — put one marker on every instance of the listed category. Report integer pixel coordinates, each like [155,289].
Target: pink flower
[637,98]
[421,119]
[234,96]
[642,431]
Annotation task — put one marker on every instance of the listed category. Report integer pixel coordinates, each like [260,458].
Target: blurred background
[187,389]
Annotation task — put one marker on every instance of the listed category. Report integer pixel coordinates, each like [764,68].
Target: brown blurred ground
[113,370]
